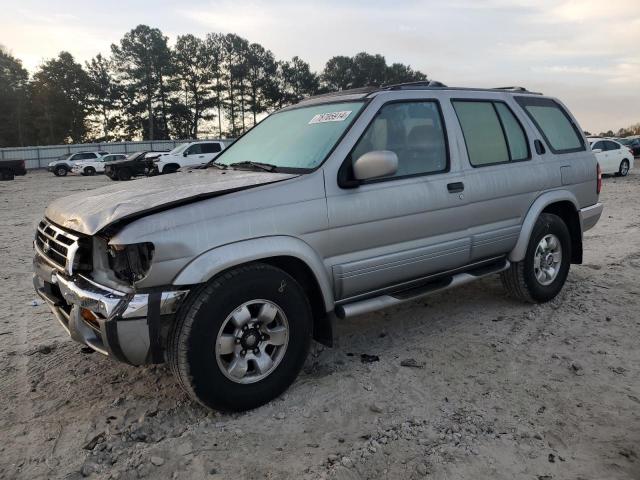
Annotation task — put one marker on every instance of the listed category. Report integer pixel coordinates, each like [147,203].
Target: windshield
[178,150]
[294,139]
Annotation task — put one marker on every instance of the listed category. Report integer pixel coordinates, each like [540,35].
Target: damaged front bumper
[130,327]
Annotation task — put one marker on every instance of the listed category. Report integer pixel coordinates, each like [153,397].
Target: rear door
[615,154]
[399,228]
[210,151]
[501,180]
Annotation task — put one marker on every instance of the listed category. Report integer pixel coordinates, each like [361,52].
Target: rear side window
[609,145]
[491,132]
[210,147]
[553,122]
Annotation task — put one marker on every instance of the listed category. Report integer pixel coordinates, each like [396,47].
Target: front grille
[65,250]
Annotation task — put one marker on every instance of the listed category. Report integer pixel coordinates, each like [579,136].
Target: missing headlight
[131,263]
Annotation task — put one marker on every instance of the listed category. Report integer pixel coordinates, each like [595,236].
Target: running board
[361,307]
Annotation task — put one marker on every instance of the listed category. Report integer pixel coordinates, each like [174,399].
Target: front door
[405,226]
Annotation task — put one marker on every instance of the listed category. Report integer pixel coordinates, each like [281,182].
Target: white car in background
[95,165]
[613,157]
[65,163]
[189,155]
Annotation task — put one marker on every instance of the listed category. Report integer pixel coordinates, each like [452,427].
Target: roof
[364,92]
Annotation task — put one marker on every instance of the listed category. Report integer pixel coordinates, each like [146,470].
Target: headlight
[131,263]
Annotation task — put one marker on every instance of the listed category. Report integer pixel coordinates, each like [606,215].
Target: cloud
[571,49]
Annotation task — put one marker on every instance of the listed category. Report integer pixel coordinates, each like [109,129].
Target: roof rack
[513,89]
[350,91]
[408,85]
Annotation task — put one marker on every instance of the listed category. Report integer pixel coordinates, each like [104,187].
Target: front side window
[491,132]
[553,122]
[413,131]
[298,139]
[195,149]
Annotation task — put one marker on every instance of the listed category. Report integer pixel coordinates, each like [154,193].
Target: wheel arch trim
[210,263]
[519,251]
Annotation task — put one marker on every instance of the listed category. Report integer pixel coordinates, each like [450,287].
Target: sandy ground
[501,390]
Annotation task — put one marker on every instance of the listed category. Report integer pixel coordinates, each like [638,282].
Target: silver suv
[337,206]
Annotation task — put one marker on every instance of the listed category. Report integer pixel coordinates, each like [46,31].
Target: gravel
[498,388]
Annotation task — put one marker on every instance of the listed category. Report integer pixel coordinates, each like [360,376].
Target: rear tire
[538,278]
[222,318]
[60,171]
[89,171]
[7,175]
[124,174]
[624,168]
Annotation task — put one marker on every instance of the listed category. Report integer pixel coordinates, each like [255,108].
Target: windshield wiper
[262,166]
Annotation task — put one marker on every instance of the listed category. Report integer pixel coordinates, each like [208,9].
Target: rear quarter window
[554,123]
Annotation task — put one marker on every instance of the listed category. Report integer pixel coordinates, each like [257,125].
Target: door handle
[455,187]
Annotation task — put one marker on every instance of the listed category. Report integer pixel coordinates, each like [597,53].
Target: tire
[209,311]
[7,175]
[89,171]
[170,169]
[522,280]
[60,171]
[124,174]
[623,171]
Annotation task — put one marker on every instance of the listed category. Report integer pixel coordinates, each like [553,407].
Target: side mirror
[184,154]
[375,164]
[597,150]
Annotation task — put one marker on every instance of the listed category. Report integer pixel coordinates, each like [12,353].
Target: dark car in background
[632,143]
[136,164]
[10,168]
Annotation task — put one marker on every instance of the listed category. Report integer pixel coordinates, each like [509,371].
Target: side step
[361,307]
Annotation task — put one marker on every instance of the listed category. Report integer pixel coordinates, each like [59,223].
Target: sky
[587,52]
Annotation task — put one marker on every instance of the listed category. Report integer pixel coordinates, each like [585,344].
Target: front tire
[60,171]
[90,171]
[240,340]
[124,174]
[542,274]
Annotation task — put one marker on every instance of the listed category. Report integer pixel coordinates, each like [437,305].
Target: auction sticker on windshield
[330,117]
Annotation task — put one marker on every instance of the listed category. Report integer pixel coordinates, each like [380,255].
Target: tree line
[145,88]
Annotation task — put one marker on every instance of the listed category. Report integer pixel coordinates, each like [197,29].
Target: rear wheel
[240,340]
[60,171]
[542,274]
[624,168]
[124,174]
[7,175]
[89,171]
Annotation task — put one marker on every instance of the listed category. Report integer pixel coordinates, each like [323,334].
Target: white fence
[39,157]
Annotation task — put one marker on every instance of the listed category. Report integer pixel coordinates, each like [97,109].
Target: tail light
[599,183]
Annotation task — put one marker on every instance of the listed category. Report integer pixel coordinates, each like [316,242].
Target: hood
[90,211]
[116,162]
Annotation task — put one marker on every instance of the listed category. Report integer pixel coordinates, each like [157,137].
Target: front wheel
[60,171]
[540,276]
[124,174]
[240,340]
[624,168]
[89,171]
